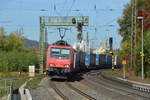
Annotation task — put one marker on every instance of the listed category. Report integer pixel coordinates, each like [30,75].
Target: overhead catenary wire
[49,7]
[71,7]
[64,4]
[64,10]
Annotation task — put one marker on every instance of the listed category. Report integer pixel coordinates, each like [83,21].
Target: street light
[142,54]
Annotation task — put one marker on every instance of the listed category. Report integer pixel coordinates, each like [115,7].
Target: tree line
[14,56]
[125,31]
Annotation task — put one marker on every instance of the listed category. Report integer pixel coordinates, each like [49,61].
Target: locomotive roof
[61,43]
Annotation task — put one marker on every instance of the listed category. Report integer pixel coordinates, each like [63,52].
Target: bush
[17,61]
[147,74]
[13,55]
[146,57]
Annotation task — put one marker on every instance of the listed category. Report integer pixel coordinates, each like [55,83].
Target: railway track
[97,78]
[98,81]
[54,84]
[80,92]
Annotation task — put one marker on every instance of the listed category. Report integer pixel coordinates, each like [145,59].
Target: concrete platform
[138,85]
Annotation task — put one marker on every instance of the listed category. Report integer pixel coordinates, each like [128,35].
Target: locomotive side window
[62,53]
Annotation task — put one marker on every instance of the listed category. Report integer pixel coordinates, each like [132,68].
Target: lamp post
[142,54]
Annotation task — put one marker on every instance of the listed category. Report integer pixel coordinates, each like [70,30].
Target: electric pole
[133,34]
[134,37]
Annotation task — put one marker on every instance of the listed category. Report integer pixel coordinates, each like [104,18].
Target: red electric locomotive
[60,59]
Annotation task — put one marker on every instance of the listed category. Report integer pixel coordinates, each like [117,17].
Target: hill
[30,43]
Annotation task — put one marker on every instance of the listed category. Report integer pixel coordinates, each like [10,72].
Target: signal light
[111,43]
[110,40]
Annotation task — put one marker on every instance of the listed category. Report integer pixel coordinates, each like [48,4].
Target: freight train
[63,60]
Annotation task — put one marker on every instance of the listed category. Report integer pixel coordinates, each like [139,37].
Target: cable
[64,4]
[50,5]
[71,7]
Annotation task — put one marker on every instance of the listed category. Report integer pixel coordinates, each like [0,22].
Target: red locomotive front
[60,58]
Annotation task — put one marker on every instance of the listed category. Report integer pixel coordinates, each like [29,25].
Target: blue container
[87,59]
[102,59]
[92,60]
[97,59]
[106,60]
[109,60]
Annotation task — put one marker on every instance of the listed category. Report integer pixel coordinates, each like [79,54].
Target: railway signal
[111,43]
[124,69]
[113,63]
[142,54]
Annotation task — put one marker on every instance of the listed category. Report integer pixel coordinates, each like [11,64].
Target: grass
[4,87]
[4,83]
[13,74]
[34,83]
[19,82]
[115,73]
[4,92]
[129,75]
[21,78]
[18,78]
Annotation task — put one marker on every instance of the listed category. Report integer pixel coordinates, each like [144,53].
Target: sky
[25,14]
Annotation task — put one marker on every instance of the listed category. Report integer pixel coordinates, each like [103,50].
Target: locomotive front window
[55,51]
[62,53]
[65,52]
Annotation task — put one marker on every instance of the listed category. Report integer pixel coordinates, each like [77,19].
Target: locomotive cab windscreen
[60,53]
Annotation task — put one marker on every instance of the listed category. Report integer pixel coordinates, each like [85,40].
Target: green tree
[13,55]
[13,42]
[2,40]
[125,32]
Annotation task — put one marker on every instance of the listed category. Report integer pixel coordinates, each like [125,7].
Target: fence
[5,89]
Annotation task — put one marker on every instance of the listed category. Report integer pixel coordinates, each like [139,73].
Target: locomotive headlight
[51,65]
[67,66]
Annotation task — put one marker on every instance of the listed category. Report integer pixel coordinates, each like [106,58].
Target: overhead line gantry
[77,21]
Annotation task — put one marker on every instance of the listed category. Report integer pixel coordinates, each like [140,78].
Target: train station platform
[138,84]
[136,81]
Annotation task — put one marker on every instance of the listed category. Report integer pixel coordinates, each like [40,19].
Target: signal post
[124,69]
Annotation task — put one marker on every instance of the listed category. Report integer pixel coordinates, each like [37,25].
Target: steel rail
[108,85]
[54,87]
[80,92]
